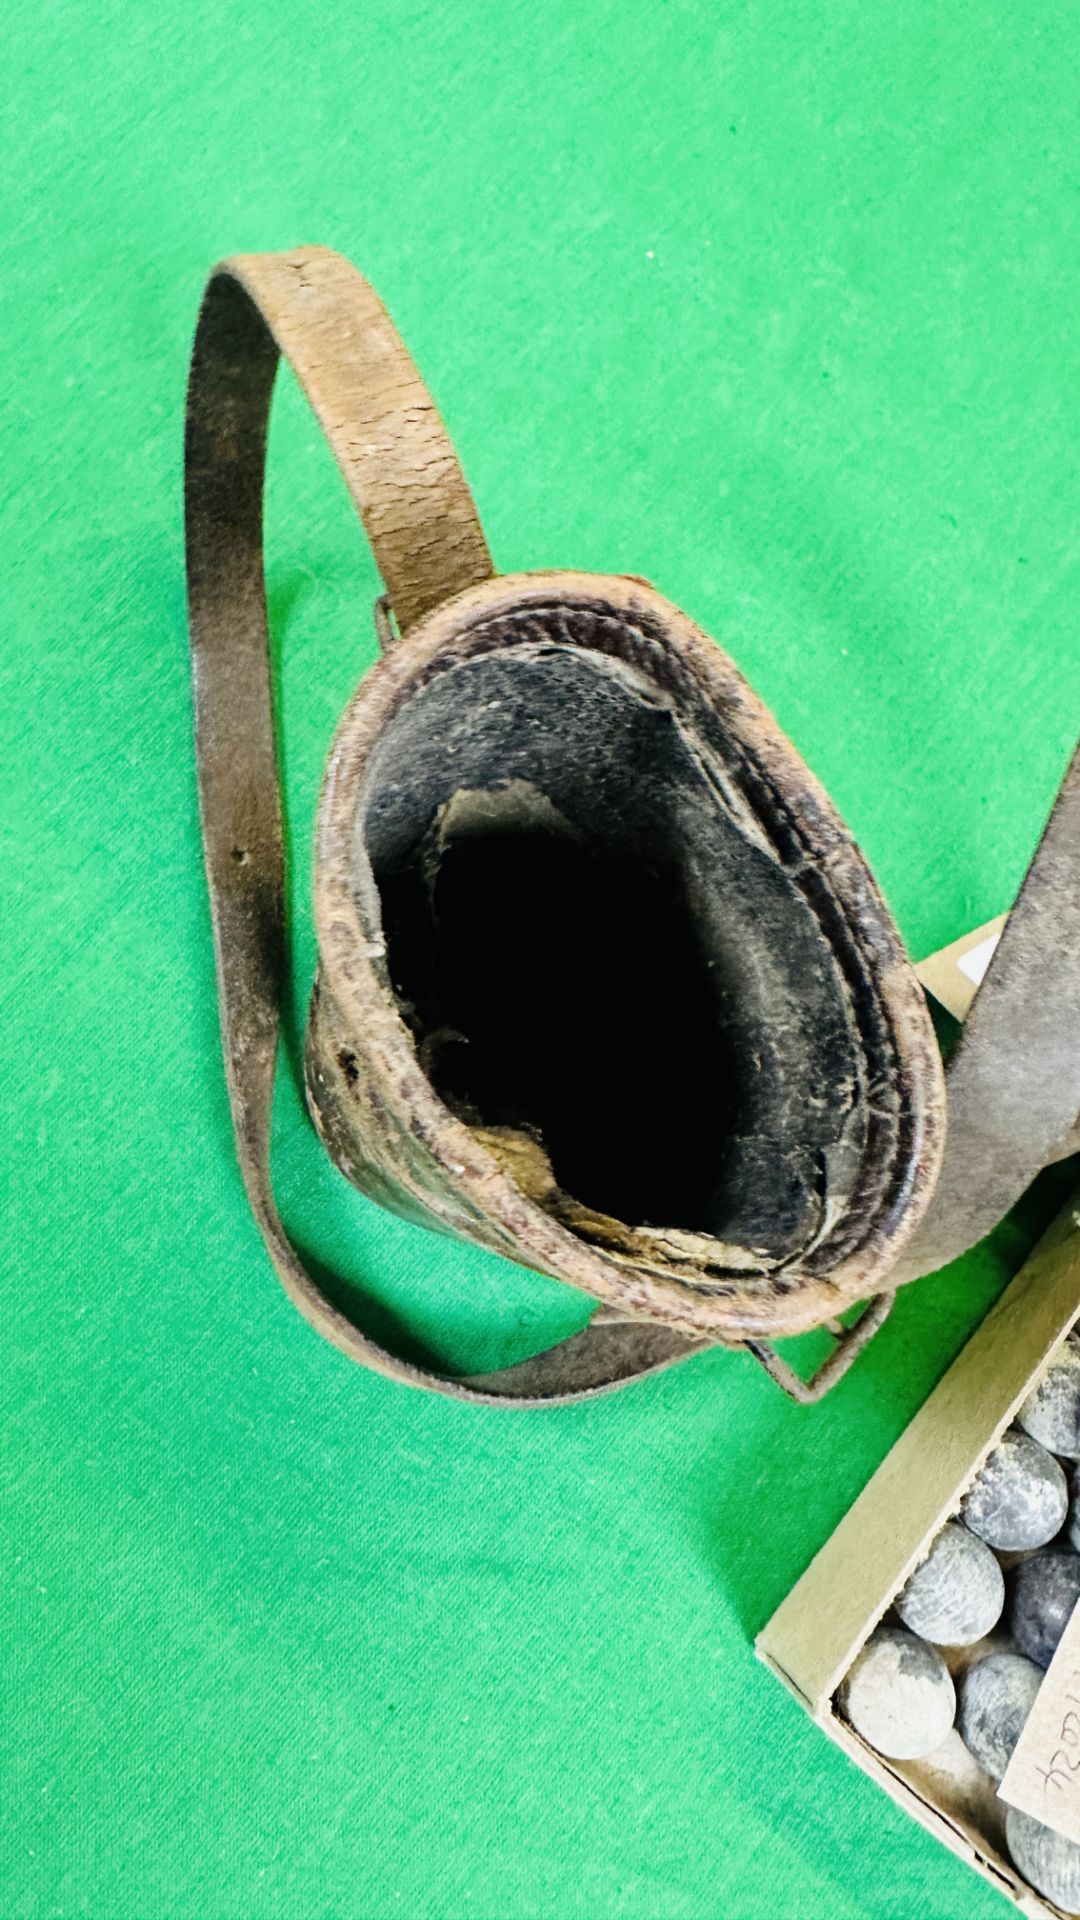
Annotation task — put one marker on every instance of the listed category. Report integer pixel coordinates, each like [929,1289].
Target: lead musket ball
[1045,1858]
[1051,1415]
[1073,1531]
[1042,1594]
[1020,1498]
[899,1695]
[958,1593]
[995,1697]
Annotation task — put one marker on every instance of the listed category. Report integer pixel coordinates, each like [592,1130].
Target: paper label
[975,962]
[1043,1776]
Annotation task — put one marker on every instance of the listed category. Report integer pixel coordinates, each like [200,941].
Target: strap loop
[405,480]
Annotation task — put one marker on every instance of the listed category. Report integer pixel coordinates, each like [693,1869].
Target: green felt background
[775,304]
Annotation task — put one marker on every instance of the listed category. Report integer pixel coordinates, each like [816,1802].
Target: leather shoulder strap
[404,478]
[1014,1082]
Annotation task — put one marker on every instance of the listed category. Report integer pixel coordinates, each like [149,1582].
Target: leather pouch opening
[607,968]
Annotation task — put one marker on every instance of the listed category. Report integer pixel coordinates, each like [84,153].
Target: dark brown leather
[782,1121]
[1014,1083]
[405,479]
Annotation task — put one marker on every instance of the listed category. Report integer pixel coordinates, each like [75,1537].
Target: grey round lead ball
[899,1695]
[1042,1594]
[958,1593]
[1051,1415]
[996,1696]
[1045,1858]
[1073,1534]
[1020,1498]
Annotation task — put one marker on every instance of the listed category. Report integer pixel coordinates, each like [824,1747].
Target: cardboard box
[816,1633]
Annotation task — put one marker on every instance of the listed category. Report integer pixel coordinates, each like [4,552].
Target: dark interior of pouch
[610,968]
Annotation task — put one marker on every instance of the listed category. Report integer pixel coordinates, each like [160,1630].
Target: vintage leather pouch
[604,983]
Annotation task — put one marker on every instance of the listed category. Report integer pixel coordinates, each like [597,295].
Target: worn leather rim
[352,976]
[1014,1080]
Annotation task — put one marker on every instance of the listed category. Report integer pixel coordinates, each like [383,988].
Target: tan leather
[1014,1085]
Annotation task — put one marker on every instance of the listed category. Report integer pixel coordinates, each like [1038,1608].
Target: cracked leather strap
[1014,1081]
[404,478]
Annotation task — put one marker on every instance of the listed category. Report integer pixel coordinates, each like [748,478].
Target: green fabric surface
[772,303]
